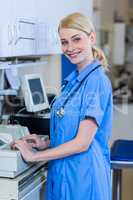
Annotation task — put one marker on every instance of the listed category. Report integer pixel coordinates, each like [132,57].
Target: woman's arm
[80,143]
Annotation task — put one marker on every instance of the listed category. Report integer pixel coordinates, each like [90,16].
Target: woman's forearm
[79,144]
[61,151]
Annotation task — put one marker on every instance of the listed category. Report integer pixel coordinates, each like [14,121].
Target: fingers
[19,144]
[31,141]
[13,147]
[16,147]
[15,144]
[30,138]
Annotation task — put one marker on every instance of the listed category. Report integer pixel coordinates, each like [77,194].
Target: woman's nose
[70,47]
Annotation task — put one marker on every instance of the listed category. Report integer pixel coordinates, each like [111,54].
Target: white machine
[11,161]
[34,92]
[19,180]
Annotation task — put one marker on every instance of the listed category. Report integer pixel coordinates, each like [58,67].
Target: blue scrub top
[86,175]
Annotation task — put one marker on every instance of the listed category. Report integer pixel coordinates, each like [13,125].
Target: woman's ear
[92,38]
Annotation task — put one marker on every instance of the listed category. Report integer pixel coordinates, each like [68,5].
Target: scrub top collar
[72,76]
[80,76]
[88,69]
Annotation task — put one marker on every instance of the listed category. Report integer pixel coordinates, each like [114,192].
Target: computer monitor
[34,92]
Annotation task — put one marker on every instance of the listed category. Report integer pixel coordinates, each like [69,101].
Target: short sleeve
[95,98]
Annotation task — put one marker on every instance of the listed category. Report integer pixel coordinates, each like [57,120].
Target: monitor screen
[34,92]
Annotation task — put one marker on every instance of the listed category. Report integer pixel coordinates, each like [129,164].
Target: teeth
[75,54]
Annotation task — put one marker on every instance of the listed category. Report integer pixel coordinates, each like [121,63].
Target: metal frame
[117,167]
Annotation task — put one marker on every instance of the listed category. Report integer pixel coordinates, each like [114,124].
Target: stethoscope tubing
[60,111]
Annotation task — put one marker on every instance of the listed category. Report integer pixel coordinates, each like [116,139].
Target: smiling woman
[81,121]
[78,37]
[76,45]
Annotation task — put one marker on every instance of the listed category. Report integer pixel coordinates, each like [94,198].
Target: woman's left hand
[25,149]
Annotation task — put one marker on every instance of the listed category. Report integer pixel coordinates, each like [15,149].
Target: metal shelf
[6,92]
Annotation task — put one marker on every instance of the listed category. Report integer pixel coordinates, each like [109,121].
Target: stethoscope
[61,111]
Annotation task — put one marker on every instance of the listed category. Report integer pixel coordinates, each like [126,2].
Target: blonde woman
[81,121]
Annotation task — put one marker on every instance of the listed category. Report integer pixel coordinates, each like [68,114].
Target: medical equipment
[60,113]
[34,92]
[11,162]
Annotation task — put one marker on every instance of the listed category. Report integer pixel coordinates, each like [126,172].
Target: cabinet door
[24,27]
[16,35]
[24,37]
[47,40]
[6,36]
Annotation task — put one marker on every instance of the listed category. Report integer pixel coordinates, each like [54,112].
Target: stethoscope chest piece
[60,112]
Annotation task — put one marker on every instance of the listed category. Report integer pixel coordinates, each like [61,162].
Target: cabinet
[18,38]
[17,33]
[47,40]
[30,27]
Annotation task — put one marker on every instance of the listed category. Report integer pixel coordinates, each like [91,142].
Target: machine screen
[36,91]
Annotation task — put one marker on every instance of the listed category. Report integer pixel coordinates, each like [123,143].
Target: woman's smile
[73,55]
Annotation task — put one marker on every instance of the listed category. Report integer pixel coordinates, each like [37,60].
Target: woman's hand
[25,149]
[36,142]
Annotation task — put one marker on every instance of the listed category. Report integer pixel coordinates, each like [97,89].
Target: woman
[81,121]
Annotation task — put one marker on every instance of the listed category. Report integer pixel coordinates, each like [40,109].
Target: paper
[13,78]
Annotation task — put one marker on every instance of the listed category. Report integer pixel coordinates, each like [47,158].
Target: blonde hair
[81,22]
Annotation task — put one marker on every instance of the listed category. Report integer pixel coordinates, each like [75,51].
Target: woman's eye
[64,43]
[76,39]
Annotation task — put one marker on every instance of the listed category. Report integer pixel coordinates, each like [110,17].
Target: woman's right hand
[36,142]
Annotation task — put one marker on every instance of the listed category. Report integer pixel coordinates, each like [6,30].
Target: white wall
[53,11]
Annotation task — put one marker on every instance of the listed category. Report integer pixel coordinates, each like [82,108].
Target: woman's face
[77,45]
